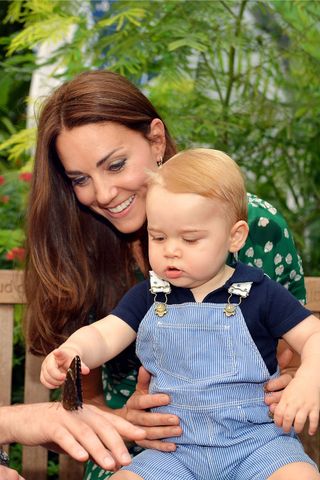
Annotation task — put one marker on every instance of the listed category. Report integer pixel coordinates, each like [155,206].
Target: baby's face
[189,236]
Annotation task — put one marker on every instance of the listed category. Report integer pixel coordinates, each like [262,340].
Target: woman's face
[107,165]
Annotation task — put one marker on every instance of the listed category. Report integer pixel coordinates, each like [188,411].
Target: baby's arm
[301,398]
[95,344]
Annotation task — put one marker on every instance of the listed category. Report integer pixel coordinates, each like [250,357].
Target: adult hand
[275,387]
[9,474]
[87,432]
[156,425]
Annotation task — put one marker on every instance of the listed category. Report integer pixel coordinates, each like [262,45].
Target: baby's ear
[238,236]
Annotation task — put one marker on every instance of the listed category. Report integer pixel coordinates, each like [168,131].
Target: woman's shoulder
[270,246]
[261,210]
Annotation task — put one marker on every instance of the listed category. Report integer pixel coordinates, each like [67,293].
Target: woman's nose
[104,192]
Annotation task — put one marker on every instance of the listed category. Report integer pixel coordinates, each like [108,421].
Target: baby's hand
[55,366]
[299,401]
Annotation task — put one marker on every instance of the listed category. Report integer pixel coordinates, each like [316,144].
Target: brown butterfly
[72,387]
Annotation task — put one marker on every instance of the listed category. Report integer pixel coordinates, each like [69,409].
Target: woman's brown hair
[77,263]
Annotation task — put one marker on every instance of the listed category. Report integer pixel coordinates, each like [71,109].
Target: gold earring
[160,161]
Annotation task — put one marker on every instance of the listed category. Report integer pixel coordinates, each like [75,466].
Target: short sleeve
[270,246]
[283,310]
[134,305]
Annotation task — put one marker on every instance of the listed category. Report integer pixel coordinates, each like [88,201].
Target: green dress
[269,246]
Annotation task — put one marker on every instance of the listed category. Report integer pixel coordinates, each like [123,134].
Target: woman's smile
[122,206]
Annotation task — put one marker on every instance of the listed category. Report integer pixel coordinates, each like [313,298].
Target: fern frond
[19,143]
[52,30]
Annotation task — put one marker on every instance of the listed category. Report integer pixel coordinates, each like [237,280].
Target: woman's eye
[79,181]
[117,166]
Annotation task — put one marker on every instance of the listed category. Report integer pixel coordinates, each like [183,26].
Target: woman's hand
[275,386]
[156,425]
[87,432]
[9,474]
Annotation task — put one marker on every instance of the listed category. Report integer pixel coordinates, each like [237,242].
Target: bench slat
[6,347]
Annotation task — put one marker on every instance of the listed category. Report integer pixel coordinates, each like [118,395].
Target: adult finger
[143,380]
[146,401]
[158,445]
[148,419]
[284,356]
[278,383]
[100,435]
[272,398]
[7,473]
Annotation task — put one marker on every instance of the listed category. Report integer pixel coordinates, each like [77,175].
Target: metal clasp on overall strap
[158,285]
[242,290]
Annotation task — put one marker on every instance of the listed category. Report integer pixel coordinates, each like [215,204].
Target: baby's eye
[158,238]
[117,166]
[190,240]
[79,181]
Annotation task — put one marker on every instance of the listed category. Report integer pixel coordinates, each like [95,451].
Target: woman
[98,134]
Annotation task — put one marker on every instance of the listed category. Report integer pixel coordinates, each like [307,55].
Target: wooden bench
[35,458]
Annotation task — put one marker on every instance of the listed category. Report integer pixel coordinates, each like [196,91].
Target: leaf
[186,42]
[55,29]
[19,143]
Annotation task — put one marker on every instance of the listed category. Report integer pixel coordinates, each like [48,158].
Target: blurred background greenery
[237,75]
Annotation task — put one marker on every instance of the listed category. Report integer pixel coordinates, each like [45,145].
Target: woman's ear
[157,136]
[238,236]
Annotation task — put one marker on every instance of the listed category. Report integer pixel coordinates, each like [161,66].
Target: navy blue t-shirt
[269,311]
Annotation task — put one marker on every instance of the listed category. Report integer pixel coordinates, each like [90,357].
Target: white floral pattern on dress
[272,210]
[289,259]
[126,393]
[277,259]
[250,252]
[263,222]
[268,247]
[279,270]
[258,262]
[293,274]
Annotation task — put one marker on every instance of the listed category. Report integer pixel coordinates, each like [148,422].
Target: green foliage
[240,76]
[14,188]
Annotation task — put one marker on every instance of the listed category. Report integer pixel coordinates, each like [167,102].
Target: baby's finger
[313,422]
[48,383]
[287,420]
[85,370]
[278,414]
[300,421]
[52,378]
[62,357]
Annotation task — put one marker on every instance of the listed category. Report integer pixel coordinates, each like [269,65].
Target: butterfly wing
[72,387]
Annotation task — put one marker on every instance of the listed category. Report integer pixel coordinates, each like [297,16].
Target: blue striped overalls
[210,366]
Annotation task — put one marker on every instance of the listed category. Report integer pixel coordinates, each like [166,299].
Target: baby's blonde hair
[209,173]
